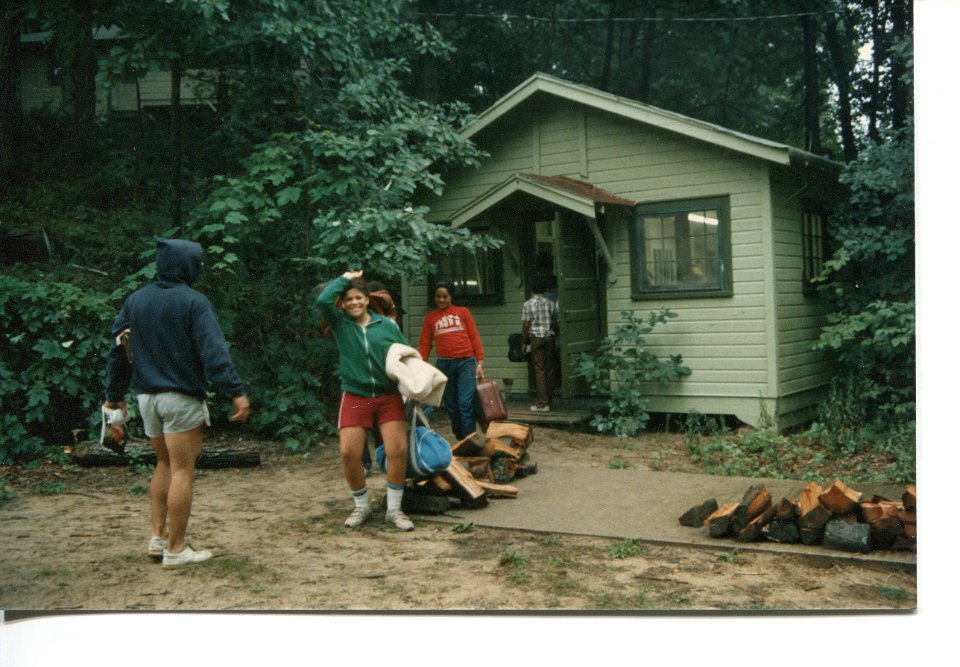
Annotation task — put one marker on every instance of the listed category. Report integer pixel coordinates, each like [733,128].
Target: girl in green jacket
[370,397]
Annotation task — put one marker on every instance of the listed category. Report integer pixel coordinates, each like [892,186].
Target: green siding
[748,351]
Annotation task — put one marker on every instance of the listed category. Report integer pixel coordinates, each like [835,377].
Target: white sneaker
[399,519]
[358,517]
[155,547]
[186,557]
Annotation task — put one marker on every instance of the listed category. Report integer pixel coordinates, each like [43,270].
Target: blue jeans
[459,394]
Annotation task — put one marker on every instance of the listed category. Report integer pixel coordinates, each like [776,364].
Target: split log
[811,514]
[208,460]
[811,536]
[839,534]
[497,447]
[840,498]
[783,531]
[885,531]
[908,517]
[784,510]
[910,498]
[472,445]
[695,516]
[521,434]
[479,466]
[525,467]
[442,484]
[755,502]
[719,522]
[465,486]
[503,469]
[873,511]
[752,530]
[500,490]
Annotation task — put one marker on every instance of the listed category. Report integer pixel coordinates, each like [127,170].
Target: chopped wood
[503,469]
[910,498]
[873,511]
[752,530]
[783,531]
[497,447]
[442,483]
[695,516]
[811,536]
[720,521]
[812,515]
[907,516]
[463,481]
[500,490]
[784,510]
[521,434]
[472,445]
[840,498]
[479,466]
[885,531]
[755,502]
[525,467]
[910,530]
[839,534]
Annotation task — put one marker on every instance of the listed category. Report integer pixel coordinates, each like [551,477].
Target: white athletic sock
[361,498]
[394,497]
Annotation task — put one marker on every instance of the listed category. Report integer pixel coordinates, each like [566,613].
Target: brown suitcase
[489,403]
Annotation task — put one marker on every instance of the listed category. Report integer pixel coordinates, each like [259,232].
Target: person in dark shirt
[176,350]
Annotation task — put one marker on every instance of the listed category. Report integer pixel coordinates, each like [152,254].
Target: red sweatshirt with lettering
[455,334]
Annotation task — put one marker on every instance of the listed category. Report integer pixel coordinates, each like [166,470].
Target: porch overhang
[570,194]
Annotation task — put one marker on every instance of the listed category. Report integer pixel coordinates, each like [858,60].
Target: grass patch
[510,558]
[239,569]
[5,493]
[629,547]
[618,464]
[729,556]
[138,490]
[48,488]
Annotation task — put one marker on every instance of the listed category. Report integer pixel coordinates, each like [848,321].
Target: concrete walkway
[646,506]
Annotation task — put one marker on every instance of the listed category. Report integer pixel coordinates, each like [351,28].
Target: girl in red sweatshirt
[459,356]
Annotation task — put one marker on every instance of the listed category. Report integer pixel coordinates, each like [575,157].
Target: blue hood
[178,261]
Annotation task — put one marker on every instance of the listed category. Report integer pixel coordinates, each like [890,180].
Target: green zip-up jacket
[363,350]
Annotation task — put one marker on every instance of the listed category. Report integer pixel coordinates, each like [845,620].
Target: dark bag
[515,351]
[489,403]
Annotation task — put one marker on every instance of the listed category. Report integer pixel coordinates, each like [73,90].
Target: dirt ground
[74,538]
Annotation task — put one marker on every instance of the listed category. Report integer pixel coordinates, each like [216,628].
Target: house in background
[41,86]
[634,208]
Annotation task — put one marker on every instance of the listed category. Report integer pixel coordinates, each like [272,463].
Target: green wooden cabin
[636,208]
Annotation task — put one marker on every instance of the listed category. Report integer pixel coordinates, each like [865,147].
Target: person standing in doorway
[177,349]
[540,318]
[459,356]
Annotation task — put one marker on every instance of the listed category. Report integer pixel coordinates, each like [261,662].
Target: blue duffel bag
[428,453]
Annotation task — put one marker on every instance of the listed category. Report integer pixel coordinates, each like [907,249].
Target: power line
[626,19]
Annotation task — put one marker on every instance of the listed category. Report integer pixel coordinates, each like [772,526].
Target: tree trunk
[900,92]
[811,85]
[10,116]
[176,75]
[608,47]
[878,31]
[842,66]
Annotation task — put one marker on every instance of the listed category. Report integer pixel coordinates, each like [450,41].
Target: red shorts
[367,411]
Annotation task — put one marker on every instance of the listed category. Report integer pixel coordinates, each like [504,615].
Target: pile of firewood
[482,467]
[837,517]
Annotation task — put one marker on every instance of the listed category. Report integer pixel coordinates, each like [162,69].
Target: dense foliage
[325,118]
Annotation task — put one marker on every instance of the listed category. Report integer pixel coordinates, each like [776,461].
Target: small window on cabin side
[477,277]
[814,248]
[681,249]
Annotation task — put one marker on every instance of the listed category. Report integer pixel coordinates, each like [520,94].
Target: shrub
[51,362]
[623,360]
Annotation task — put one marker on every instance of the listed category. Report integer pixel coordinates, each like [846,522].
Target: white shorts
[171,412]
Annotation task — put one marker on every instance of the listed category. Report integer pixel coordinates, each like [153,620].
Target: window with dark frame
[477,277]
[814,248]
[681,248]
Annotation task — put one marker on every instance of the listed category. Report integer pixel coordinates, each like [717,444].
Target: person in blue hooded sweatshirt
[177,350]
